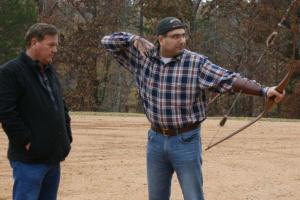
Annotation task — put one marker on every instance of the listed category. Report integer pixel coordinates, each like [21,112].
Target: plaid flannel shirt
[173,94]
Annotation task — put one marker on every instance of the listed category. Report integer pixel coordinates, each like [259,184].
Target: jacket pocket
[41,148]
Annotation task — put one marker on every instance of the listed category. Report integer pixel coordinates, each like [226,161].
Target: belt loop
[164,132]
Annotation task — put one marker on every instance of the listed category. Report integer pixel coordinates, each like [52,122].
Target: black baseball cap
[168,24]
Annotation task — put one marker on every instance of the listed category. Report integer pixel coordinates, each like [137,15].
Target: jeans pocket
[151,135]
[189,137]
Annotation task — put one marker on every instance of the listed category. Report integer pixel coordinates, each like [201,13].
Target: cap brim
[163,32]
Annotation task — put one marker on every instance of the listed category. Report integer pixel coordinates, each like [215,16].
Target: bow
[282,85]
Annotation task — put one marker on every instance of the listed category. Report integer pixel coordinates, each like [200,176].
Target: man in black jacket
[34,116]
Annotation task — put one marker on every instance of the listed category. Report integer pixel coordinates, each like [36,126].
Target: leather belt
[173,132]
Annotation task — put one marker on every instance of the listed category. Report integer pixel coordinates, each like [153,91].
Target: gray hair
[39,31]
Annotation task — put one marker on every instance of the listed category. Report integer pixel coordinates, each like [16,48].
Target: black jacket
[28,114]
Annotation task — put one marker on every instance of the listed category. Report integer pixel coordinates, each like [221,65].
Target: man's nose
[182,40]
[54,49]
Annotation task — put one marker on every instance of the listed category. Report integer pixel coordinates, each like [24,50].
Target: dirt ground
[107,161]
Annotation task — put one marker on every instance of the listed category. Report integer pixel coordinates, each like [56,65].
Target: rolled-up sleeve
[120,44]
[215,78]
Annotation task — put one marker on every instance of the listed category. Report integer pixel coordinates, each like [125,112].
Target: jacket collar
[33,63]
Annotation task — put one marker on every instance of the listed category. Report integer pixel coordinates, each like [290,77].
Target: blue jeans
[182,154]
[35,181]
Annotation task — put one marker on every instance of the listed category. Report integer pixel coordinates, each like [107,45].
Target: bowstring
[269,42]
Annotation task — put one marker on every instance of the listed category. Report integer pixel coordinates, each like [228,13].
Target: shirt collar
[154,53]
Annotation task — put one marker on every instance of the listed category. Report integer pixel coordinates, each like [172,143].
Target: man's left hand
[272,93]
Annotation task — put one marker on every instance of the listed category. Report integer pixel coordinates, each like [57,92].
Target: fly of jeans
[164,132]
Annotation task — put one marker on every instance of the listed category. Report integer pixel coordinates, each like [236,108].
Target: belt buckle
[164,132]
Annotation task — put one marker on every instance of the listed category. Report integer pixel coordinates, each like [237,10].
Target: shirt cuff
[133,38]
[264,91]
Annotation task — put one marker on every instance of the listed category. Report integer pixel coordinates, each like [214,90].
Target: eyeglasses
[178,36]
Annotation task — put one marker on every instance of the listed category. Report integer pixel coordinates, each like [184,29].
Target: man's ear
[33,41]
[160,39]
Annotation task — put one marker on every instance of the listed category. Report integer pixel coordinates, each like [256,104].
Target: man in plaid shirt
[171,81]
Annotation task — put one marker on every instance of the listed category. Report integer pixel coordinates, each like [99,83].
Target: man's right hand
[142,45]
[27,146]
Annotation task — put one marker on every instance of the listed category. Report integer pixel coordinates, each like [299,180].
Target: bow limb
[282,85]
[237,131]
[268,105]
